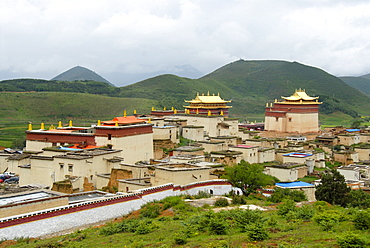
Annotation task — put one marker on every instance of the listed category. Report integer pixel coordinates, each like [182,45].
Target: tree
[333,189]
[248,177]
[358,198]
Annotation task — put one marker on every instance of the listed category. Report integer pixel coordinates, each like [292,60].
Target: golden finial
[153,109]
[149,120]
[267,104]
[60,124]
[209,112]
[197,111]
[172,108]
[52,127]
[164,108]
[42,125]
[174,111]
[134,111]
[116,124]
[124,113]
[70,123]
[270,104]
[208,93]
[222,112]
[29,126]
[99,123]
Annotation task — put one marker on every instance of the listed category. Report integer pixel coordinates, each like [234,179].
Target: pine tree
[333,189]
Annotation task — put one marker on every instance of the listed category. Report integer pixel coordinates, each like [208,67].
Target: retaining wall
[53,220]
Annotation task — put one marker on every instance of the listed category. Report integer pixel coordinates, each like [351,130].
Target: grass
[168,229]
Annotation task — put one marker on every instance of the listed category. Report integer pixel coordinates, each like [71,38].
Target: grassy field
[173,223]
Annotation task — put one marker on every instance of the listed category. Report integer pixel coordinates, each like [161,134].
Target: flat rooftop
[25,197]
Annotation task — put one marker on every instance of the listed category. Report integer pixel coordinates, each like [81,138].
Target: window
[290,119]
[109,136]
[277,118]
[70,167]
[61,166]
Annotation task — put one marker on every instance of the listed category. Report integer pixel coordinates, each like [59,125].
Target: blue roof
[297,154]
[69,149]
[353,130]
[294,184]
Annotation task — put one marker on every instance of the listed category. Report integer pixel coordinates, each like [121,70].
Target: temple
[207,105]
[296,113]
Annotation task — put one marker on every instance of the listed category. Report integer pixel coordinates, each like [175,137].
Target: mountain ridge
[80,73]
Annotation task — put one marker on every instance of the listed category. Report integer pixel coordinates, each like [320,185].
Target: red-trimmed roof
[123,120]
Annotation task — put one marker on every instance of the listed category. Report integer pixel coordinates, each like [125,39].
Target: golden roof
[208,99]
[300,95]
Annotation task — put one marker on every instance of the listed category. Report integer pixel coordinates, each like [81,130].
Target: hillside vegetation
[173,223]
[360,83]
[47,106]
[249,84]
[80,73]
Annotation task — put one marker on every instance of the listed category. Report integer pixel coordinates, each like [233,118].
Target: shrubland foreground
[172,222]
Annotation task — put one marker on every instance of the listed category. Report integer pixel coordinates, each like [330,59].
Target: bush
[202,194]
[257,232]
[286,207]
[180,239]
[171,201]
[221,202]
[305,212]
[350,240]
[328,219]
[362,220]
[152,210]
[239,200]
[217,226]
[281,195]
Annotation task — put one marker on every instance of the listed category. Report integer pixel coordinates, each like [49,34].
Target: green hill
[49,106]
[360,83]
[40,85]
[79,73]
[251,84]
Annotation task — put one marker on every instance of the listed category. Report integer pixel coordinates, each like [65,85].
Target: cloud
[142,37]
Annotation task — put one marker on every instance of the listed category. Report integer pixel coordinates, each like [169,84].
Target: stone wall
[54,220]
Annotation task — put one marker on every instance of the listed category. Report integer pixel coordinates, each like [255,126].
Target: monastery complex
[131,154]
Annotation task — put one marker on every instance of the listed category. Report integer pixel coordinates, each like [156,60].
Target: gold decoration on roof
[300,97]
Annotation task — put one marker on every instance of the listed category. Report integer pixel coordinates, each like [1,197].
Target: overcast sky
[128,41]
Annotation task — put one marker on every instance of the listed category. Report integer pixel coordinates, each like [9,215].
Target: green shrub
[257,232]
[351,240]
[328,219]
[361,220]
[281,195]
[286,207]
[202,194]
[221,202]
[239,200]
[180,239]
[217,226]
[305,212]
[152,210]
[170,201]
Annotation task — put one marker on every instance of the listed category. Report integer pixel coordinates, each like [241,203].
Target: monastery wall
[53,220]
